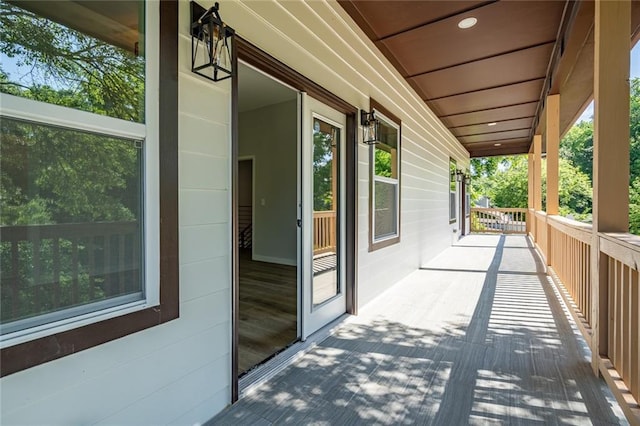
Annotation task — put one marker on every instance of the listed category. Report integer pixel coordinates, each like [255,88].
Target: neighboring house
[483,202]
[121,270]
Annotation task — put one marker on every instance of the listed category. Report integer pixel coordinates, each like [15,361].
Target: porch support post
[553,165]
[553,147]
[537,182]
[610,152]
[531,218]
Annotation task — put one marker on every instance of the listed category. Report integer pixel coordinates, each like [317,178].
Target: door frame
[252,55]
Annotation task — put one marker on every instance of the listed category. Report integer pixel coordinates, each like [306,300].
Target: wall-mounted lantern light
[371,126]
[459,175]
[210,43]
[467,179]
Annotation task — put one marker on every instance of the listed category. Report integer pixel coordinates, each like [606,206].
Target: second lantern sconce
[371,127]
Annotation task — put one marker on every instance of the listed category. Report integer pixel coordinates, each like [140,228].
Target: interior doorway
[267,212]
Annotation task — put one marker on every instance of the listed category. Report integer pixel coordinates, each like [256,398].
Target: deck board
[476,336]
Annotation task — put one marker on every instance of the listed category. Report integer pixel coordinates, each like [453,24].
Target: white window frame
[49,114]
[375,178]
[453,210]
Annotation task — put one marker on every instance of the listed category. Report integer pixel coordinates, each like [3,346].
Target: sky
[587,115]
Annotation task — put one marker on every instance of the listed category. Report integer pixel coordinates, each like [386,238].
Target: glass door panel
[325,283]
[323,221]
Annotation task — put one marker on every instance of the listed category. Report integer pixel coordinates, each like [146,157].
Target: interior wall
[269,135]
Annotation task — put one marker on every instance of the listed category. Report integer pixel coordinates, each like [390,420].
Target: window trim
[389,240]
[40,350]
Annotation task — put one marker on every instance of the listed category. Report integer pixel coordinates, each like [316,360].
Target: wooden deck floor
[477,336]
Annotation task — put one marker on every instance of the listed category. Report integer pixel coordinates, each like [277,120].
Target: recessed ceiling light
[467,23]
[492,124]
[497,144]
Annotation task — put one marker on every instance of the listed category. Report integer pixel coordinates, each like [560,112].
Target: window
[452,191]
[80,139]
[385,187]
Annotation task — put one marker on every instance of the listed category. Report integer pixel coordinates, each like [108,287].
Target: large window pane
[326,240]
[70,223]
[87,55]
[386,221]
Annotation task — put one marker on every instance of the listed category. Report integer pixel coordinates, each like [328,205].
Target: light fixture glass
[467,23]
[371,128]
[497,144]
[211,41]
[492,124]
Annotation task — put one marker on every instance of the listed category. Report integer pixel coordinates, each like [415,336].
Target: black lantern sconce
[467,178]
[211,41]
[459,175]
[371,127]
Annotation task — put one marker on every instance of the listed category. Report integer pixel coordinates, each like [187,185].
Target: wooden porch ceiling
[488,83]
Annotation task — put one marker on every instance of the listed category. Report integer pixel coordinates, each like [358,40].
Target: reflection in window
[385,183]
[86,55]
[70,222]
[325,283]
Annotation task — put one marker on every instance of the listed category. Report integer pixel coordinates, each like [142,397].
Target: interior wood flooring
[268,310]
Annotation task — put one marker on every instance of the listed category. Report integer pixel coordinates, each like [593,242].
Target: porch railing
[567,247]
[324,232]
[46,268]
[499,220]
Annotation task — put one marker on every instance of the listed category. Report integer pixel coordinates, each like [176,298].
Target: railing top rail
[499,209]
[29,232]
[325,213]
[578,230]
[540,213]
[622,246]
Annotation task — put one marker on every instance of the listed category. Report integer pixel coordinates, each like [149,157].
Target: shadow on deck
[477,336]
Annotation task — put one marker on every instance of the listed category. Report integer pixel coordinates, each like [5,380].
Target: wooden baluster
[634,307]
[15,268]
[625,299]
[74,271]
[106,266]
[56,272]
[36,275]
[92,266]
[121,263]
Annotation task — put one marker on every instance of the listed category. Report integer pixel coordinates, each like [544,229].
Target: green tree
[322,171]
[577,147]
[508,187]
[54,175]
[66,67]
[510,183]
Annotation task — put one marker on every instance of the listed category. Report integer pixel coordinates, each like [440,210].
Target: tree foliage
[504,179]
[323,163]
[66,67]
[55,175]
[52,175]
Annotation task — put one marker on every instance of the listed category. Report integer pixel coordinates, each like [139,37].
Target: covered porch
[478,335]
